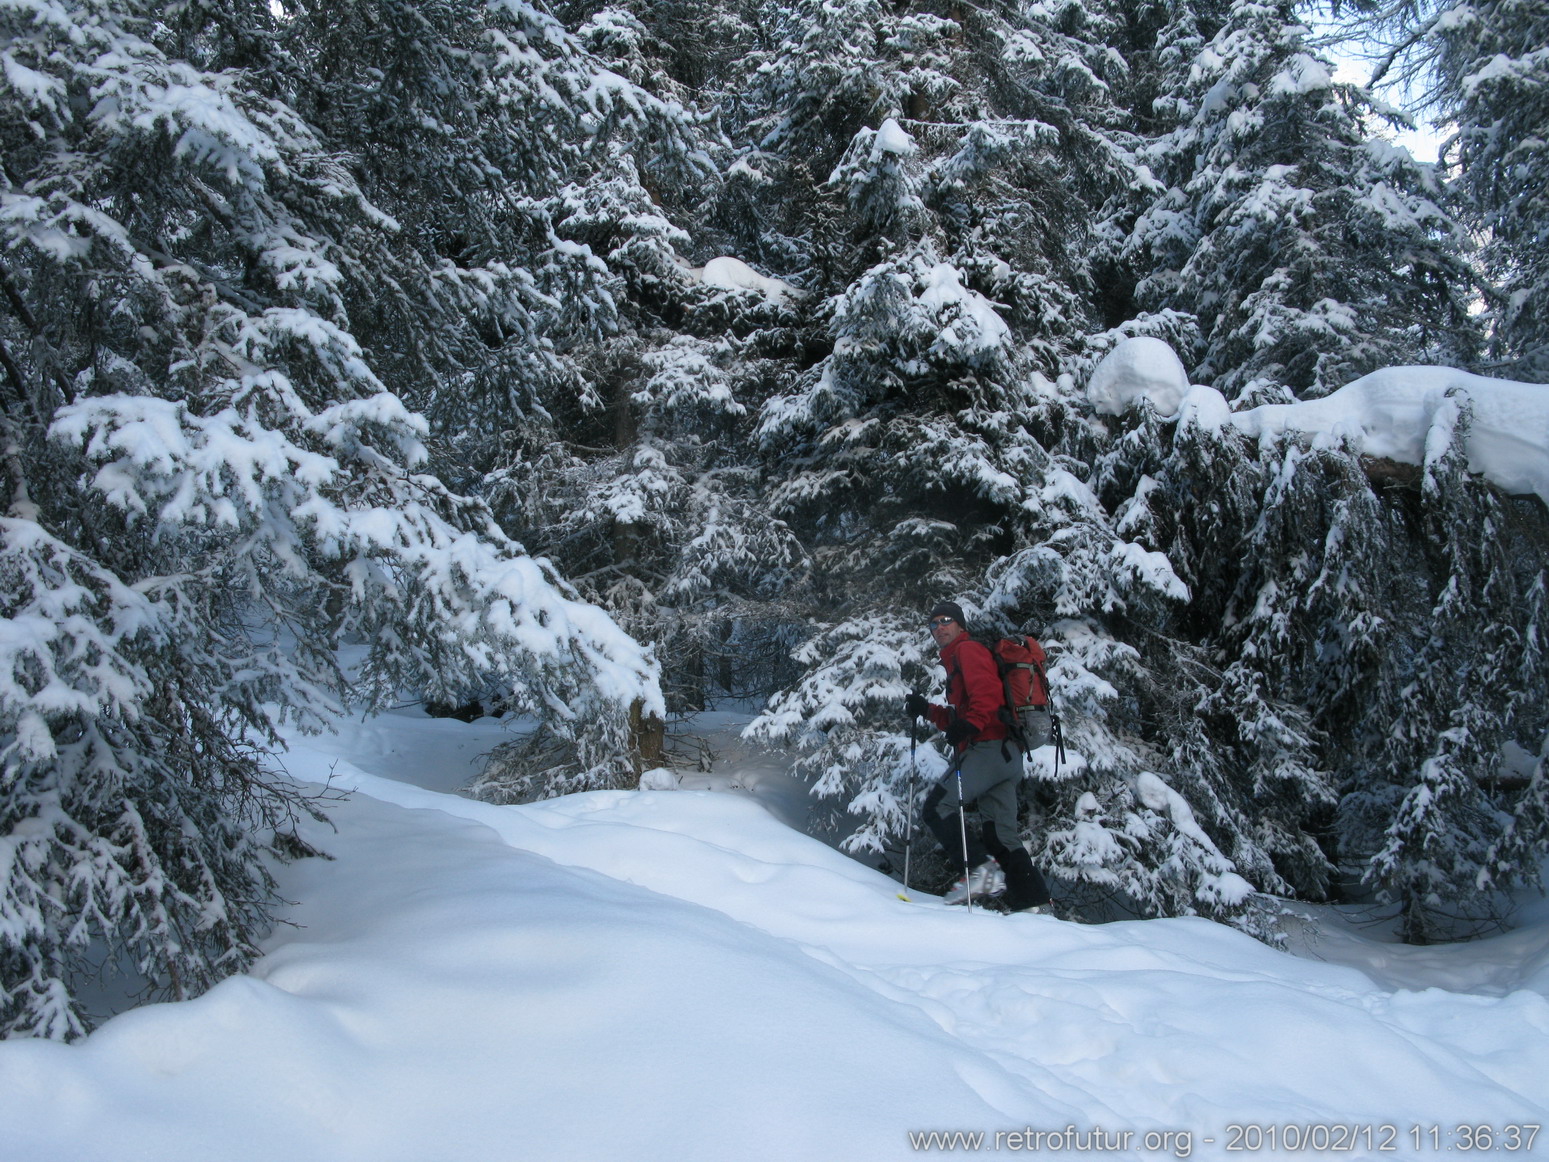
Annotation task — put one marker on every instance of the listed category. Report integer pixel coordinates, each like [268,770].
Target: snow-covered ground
[680,975]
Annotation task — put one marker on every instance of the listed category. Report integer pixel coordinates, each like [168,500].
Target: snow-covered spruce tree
[1522,843]
[438,103]
[1012,139]
[1518,851]
[693,360]
[672,48]
[1115,829]
[1311,628]
[1147,817]
[1243,751]
[939,162]
[543,249]
[894,500]
[659,520]
[1431,793]
[1492,58]
[641,486]
[208,489]
[950,267]
[1359,657]
[1310,251]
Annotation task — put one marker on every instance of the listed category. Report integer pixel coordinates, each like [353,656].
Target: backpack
[1029,703]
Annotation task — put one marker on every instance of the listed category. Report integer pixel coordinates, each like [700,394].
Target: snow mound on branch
[734,274]
[1138,368]
[892,138]
[1394,413]
[967,319]
[1407,414]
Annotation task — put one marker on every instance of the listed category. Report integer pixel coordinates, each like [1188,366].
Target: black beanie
[948,609]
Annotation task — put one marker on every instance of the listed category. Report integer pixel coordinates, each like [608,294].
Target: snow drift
[678,975]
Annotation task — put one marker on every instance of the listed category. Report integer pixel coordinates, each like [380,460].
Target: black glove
[916,706]
[960,731]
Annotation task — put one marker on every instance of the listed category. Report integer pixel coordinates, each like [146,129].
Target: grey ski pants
[989,786]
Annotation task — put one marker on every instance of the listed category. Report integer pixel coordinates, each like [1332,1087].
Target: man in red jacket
[990,770]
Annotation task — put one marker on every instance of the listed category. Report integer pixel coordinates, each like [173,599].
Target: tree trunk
[647,737]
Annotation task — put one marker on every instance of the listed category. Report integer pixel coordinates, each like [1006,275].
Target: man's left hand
[960,732]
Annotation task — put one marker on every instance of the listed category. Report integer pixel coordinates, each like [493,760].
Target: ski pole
[909,807]
[962,822]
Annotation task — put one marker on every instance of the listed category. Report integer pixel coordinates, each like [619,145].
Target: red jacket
[974,690]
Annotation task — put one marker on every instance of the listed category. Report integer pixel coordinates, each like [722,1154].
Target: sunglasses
[937,623]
